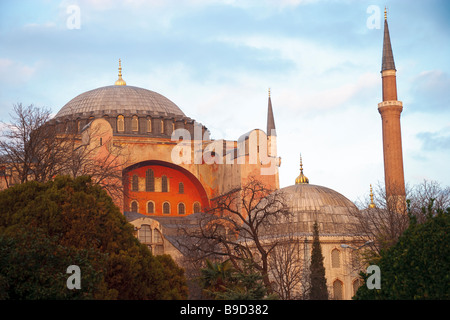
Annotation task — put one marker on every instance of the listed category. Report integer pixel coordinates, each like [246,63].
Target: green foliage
[34,267]
[318,289]
[45,227]
[221,281]
[418,265]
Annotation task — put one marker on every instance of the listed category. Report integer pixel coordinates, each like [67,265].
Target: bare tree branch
[238,228]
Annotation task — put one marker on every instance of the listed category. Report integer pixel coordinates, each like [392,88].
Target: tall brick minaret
[390,110]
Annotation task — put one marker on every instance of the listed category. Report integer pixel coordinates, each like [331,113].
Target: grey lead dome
[114,100]
[308,203]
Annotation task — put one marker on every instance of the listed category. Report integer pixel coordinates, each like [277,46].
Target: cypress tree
[317,270]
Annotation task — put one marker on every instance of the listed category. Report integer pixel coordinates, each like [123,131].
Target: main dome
[120,99]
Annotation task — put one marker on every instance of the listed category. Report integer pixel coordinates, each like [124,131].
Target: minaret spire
[271,131]
[388,57]
[390,110]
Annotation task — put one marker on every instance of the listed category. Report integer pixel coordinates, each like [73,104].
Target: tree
[76,222]
[418,265]
[318,290]
[426,193]
[222,281]
[216,277]
[382,223]
[33,152]
[33,266]
[286,268]
[93,153]
[40,148]
[239,228]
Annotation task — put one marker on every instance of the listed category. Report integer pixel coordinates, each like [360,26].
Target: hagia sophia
[167,178]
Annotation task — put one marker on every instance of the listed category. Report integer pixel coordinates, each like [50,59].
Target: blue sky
[216,60]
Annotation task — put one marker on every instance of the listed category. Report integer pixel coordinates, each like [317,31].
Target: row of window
[166,207]
[135,124]
[336,258]
[150,183]
[338,288]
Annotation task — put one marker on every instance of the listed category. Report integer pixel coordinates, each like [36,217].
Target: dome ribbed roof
[309,203]
[114,100]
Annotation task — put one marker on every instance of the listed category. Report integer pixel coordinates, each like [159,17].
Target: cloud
[48,24]
[15,72]
[431,91]
[432,141]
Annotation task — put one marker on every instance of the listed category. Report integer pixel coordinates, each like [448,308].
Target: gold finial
[269,92]
[120,81]
[385,13]
[371,205]
[301,179]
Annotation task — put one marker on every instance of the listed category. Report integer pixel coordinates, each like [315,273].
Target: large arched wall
[193,190]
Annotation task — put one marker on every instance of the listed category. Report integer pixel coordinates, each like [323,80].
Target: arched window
[166,208]
[356,284]
[338,288]
[134,206]
[197,207]
[135,183]
[158,237]
[162,126]
[149,181]
[149,124]
[145,234]
[150,207]
[181,208]
[120,123]
[335,258]
[159,246]
[135,123]
[181,187]
[164,185]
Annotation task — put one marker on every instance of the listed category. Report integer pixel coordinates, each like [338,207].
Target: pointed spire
[301,179]
[120,81]
[271,131]
[388,57]
[372,204]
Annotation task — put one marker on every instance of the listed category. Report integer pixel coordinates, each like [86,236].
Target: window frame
[163,207]
[120,123]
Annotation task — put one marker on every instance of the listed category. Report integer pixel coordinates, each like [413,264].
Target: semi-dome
[119,99]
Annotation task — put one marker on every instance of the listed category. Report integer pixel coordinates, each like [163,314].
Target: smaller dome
[309,203]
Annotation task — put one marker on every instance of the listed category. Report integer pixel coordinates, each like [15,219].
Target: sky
[217,59]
